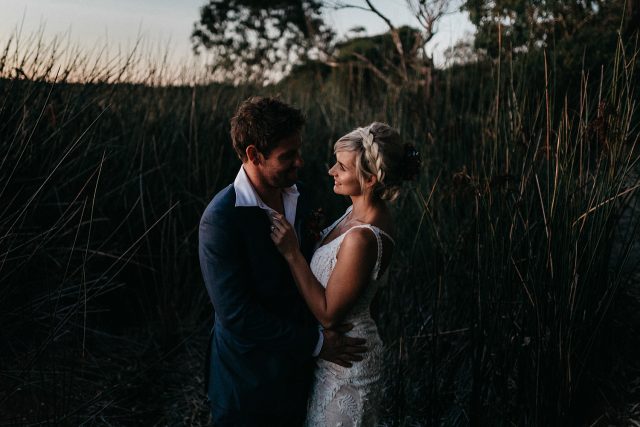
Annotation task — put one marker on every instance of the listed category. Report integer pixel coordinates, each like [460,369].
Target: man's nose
[299,161]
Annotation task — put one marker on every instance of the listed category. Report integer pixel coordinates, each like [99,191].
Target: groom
[264,338]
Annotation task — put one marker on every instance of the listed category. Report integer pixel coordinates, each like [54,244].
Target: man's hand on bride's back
[341,349]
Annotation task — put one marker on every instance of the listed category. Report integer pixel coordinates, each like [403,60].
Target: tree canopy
[254,39]
[257,40]
[536,24]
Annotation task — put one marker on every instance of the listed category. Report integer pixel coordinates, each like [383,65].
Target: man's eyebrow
[289,152]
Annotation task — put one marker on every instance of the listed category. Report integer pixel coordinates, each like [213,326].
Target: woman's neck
[364,208]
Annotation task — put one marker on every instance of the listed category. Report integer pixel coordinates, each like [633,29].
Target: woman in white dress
[349,264]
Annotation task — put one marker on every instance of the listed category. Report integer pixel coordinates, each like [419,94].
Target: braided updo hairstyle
[382,154]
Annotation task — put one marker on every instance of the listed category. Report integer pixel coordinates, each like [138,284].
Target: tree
[392,57]
[523,26]
[257,40]
[253,40]
[410,65]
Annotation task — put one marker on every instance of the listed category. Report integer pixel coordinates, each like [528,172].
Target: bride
[347,268]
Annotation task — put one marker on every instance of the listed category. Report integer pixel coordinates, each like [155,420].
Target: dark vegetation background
[514,293]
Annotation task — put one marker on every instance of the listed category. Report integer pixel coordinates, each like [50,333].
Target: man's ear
[253,155]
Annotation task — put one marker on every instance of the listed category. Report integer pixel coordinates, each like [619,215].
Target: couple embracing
[293,342]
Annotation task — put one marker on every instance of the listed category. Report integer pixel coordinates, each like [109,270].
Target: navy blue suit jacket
[264,335]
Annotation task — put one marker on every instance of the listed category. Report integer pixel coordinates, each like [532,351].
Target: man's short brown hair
[263,122]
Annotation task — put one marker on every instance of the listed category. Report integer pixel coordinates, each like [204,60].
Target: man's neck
[271,196]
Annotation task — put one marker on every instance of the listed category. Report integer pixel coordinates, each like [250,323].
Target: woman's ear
[371,181]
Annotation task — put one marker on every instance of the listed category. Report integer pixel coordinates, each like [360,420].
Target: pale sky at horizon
[166,24]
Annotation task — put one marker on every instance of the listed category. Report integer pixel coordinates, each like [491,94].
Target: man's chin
[286,182]
[290,179]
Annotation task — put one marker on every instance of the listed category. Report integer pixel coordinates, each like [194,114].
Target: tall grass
[512,251]
[500,311]
[102,185]
[501,295]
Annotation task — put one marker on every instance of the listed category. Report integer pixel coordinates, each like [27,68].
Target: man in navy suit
[264,338]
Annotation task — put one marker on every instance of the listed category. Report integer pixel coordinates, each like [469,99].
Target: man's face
[280,169]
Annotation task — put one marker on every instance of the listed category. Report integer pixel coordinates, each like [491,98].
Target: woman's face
[345,178]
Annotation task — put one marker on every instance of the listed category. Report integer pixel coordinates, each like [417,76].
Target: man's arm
[229,285]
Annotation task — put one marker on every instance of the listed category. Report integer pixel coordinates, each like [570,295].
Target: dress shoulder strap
[384,233]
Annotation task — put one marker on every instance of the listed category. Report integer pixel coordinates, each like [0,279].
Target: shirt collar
[247,196]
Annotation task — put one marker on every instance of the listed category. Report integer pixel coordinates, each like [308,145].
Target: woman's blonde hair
[380,154]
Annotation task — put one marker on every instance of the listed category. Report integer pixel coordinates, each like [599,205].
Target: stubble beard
[287,179]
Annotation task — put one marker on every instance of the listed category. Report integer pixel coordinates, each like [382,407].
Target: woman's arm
[352,273]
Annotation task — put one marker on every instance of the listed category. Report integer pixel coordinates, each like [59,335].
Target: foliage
[525,26]
[372,59]
[253,39]
[101,189]
[383,59]
[501,304]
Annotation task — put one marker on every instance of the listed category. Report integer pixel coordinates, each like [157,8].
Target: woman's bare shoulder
[359,238]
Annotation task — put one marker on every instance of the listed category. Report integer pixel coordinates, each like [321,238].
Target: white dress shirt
[247,196]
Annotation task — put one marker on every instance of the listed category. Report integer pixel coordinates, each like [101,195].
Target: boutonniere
[315,224]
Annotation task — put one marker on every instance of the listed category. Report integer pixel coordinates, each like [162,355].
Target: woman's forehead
[344,156]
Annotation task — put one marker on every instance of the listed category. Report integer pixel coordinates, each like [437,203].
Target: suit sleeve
[229,285]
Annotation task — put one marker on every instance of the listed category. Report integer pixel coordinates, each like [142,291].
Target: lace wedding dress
[348,396]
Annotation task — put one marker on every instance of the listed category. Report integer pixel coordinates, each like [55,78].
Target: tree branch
[395,36]
[382,76]
[377,12]
[340,6]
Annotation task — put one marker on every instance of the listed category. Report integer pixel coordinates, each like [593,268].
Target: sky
[165,25]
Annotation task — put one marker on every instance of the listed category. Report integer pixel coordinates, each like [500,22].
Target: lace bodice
[348,396]
[325,258]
